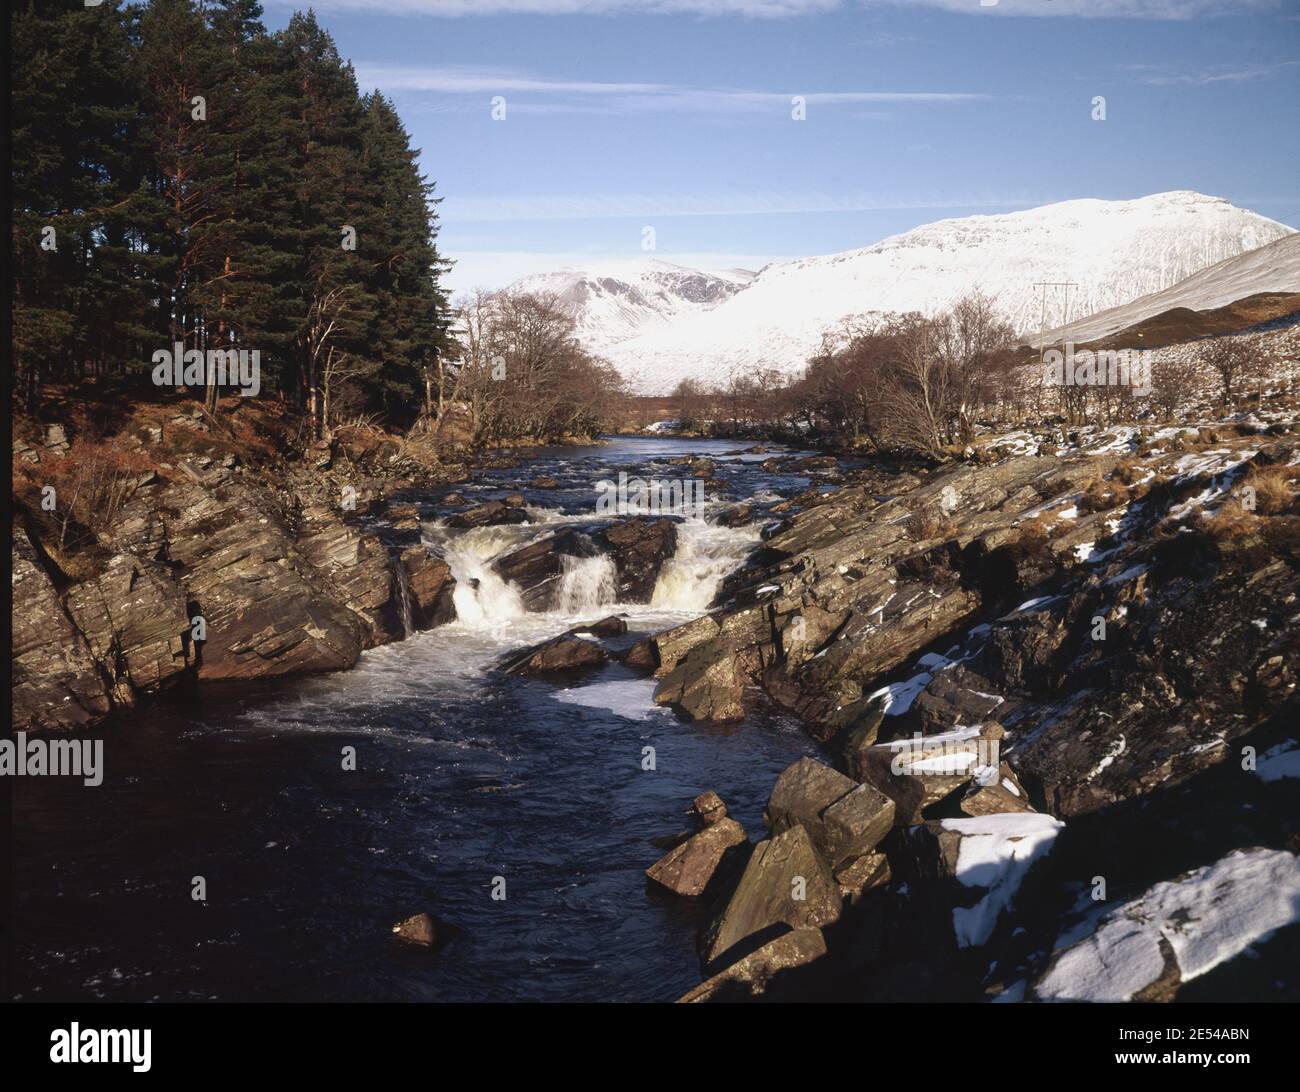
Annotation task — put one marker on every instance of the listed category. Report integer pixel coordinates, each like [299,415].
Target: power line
[1042,322]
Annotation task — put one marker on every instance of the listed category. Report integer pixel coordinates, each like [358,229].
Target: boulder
[805,789]
[611,626]
[542,481]
[404,517]
[861,874]
[643,655]
[537,569]
[845,820]
[422,930]
[431,585]
[639,547]
[736,516]
[513,500]
[704,686]
[563,653]
[873,766]
[689,869]
[855,824]
[708,809]
[772,973]
[491,514]
[994,790]
[785,886]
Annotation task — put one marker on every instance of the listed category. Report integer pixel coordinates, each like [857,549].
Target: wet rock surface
[1005,674]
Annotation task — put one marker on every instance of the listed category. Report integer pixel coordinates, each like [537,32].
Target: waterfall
[706,553]
[402,580]
[586,583]
[482,598]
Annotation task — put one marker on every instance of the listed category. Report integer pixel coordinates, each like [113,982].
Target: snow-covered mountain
[616,300]
[1271,268]
[662,324]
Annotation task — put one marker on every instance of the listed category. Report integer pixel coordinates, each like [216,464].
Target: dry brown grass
[1129,471]
[1275,488]
[928,522]
[1102,496]
[1230,523]
[1034,537]
[91,483]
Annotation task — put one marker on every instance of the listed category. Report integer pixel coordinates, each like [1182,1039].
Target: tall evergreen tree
[220,187]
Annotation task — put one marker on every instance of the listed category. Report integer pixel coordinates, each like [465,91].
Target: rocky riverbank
[221,562]
[1053,683]
[1057,689]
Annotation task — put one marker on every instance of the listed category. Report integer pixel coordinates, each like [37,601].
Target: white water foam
[706,553]
[586,584]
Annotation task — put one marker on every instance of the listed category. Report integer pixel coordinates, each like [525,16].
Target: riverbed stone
[491,514]
[786,885]
[772,973]
[689,868]
[803,792]
[563,653]
[708,809]
[639,548]
[422,930]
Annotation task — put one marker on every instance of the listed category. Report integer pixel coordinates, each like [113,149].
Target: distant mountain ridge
[617,300]
[659,323]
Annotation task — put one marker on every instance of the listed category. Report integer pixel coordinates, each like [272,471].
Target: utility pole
[1042,322]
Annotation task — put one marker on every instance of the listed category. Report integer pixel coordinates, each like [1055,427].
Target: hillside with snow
[617,300]
[1271,268]
[663,324]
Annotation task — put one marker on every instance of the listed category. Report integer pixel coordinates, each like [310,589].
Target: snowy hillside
[1272,268]
[663,324]
[618,300]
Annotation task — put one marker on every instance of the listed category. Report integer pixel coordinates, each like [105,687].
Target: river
[463,775]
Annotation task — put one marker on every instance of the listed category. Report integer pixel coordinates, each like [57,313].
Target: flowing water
[464,780]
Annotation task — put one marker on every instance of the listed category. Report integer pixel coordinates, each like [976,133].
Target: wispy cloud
[781,9]
[1161,76]
[461,210]
[618,97]
[769,9]
[1101,9]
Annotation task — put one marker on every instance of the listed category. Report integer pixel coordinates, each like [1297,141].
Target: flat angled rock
[689,868]
[804,791]
[760,975]
[786,885]
[856,823]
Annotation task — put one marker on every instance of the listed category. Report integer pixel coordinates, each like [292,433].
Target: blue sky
[677,115]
